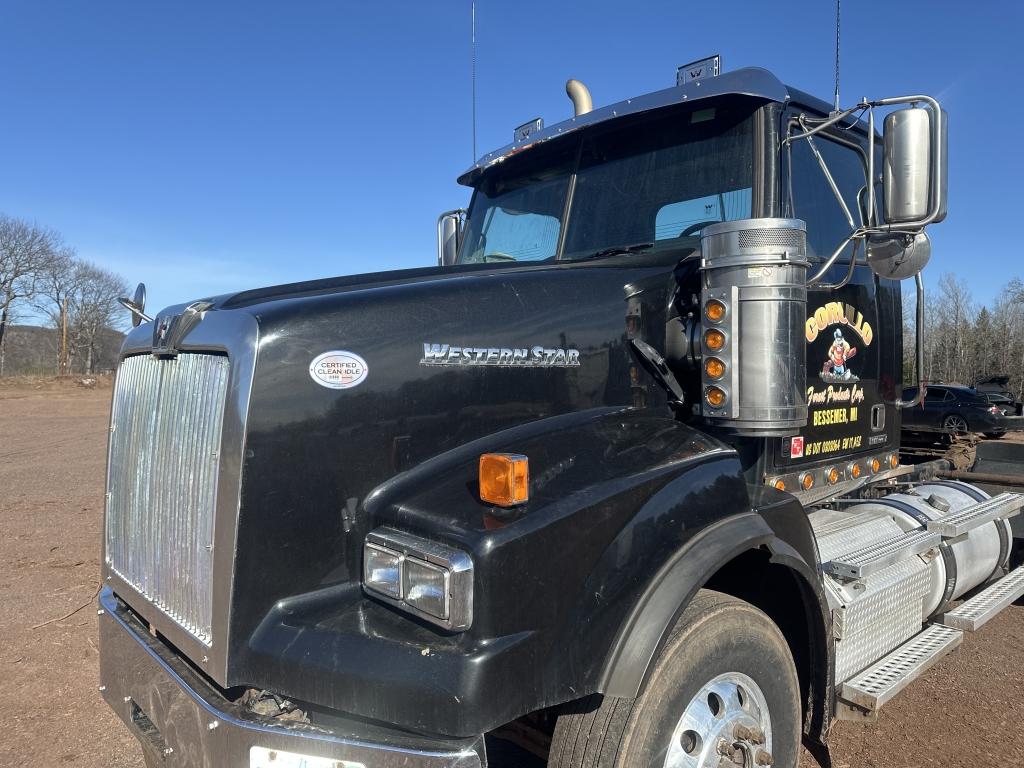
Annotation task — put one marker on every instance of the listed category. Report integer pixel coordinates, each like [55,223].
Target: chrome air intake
[754,304]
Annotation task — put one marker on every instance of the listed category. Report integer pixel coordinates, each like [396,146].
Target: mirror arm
[827,124]
[849,272]
[831,181]
[816,277]
[133,308]
[919,341]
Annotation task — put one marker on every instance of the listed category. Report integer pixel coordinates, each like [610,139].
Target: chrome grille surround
[166,426]
[234,334]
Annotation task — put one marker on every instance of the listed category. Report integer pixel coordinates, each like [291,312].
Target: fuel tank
[876,613]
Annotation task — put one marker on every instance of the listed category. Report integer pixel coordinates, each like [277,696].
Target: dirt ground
[966,711]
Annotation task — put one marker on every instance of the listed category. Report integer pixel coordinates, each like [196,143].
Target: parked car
[996,389]
[955,410]
[1004,403]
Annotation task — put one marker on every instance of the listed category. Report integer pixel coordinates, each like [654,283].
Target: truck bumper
[183,722]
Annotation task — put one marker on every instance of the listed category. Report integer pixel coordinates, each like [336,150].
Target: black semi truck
[616,483]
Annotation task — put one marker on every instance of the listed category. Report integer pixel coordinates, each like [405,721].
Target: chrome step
[1002,506]
[973,613]
[863,562]
[870,689]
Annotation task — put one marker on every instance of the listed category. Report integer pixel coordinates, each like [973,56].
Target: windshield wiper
[619,250]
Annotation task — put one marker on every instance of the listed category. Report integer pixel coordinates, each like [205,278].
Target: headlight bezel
[456,565]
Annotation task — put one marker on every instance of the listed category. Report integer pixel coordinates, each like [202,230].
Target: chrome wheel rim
[956,424]
[726,724]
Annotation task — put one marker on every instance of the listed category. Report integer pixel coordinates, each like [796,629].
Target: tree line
[42,277]
[965,340]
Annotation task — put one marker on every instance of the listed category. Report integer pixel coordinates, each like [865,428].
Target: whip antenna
[473,69]
[837,55]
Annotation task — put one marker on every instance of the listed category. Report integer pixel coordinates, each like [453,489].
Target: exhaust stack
[580,95]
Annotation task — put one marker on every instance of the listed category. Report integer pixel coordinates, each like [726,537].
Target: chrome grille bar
[166,423]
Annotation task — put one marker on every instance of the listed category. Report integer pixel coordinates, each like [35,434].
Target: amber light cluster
[855,470]
[715,342]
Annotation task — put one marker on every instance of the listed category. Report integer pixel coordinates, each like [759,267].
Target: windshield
[645,184]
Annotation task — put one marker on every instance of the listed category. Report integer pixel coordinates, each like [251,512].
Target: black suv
[954,410]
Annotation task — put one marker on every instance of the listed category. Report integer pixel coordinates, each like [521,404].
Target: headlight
[424,578]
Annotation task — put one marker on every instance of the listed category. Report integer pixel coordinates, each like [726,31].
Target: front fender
[670,591]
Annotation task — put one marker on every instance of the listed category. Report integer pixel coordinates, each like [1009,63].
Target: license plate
[261,757]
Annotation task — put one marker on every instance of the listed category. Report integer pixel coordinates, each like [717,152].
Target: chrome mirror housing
[449,236]
[914,174]
[898,256]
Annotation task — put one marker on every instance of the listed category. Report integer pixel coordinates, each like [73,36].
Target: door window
[809,196]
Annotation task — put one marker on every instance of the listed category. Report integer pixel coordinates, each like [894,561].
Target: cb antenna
[837,55]
[473,69]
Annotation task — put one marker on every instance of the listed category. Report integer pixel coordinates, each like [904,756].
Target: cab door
[854,349]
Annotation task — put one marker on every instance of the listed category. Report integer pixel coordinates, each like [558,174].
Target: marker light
[876,466]
[714,311]
[894,460]
[504,479]
[779,485]
[807,481]
[714,368]
[855,470]
[833,475]
[714,339]
[715,397]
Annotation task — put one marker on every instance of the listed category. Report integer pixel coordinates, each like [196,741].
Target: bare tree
[24,249]
[58,289]
[95,310]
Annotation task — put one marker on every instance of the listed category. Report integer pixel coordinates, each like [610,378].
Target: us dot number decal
[338,369]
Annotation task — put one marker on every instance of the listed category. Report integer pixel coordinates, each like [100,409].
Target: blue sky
[205,147]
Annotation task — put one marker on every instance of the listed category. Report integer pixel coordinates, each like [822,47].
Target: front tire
[723,685]
[955,424]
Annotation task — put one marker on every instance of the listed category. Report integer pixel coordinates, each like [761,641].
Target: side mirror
[898,256]
[449,236]
[914,178]
[136,305]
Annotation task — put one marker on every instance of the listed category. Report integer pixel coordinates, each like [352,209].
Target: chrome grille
[165,442]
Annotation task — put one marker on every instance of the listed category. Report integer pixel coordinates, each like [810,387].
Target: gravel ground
[966,711]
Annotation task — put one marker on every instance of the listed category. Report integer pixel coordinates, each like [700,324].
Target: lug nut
[746,733]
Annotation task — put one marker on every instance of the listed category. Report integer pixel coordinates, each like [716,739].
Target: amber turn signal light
[779,485]
[876,465]
[715,397]
[504,479]
[714,340]
[833,475]
[855,471]
[807,481]
[714,368]
[894,460]
[714,310]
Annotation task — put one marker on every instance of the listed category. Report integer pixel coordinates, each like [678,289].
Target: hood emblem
[170,330]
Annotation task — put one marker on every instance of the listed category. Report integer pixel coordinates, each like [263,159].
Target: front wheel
[956,424]
[723,691]
[995,435]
